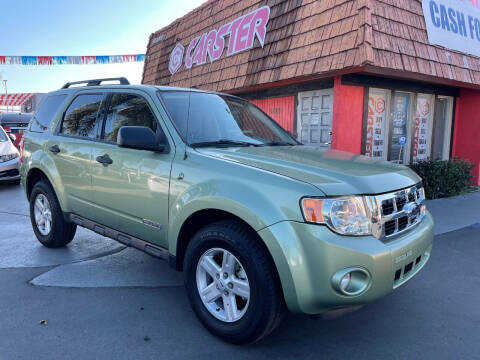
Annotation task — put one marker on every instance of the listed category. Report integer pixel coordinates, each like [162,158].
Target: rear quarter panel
[35,157]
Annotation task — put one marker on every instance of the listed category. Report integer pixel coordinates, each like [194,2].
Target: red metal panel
[281,109]
[348,106]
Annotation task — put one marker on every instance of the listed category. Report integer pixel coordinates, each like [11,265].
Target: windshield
[222,120]
[3,137]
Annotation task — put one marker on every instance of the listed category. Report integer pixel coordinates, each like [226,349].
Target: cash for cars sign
[210,46]
[454,24]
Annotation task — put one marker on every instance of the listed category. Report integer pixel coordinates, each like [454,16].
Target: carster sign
[241,34]
[454,24]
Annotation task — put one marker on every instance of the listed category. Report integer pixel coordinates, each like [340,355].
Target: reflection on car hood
[333,172]
[6,147]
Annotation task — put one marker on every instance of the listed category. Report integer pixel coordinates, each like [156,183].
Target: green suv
[257,222]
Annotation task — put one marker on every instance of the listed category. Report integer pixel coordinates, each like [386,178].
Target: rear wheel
[232,283]
[46,216]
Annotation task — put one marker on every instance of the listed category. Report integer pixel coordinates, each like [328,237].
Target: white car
[9,159]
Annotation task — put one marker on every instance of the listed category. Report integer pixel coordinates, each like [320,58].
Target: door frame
[447,137]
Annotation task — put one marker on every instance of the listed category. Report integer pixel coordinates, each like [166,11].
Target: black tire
[266,306]
[61,232]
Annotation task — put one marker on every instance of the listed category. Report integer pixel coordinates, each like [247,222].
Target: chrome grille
[400,210]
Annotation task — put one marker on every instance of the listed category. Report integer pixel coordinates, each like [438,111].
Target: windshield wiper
[279,143]
[224,142]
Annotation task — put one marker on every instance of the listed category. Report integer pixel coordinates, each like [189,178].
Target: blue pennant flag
[62,60]
[59,60]
[102,59]
[29,60]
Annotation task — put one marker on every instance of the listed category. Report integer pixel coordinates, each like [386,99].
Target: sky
[79,27]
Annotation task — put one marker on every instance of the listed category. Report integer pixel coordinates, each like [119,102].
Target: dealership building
[397,80]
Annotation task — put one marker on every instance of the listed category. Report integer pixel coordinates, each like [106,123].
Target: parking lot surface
[102,300]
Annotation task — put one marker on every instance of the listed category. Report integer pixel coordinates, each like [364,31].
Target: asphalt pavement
[97,299]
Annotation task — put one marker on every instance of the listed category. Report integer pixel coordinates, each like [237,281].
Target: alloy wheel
[223,285]
[43,214]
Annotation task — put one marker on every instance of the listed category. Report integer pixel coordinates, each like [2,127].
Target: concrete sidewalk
[456,212]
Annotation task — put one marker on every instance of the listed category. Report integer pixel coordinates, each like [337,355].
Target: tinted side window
[44,115]
[127,110]
[81,116]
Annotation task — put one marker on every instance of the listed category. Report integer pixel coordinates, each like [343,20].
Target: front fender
[237,198]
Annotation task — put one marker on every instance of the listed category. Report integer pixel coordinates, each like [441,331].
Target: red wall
[280,109]
[466,138]
[347,123]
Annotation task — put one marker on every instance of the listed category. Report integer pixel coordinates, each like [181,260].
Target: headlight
[345,215]
[377,215]
[8,157]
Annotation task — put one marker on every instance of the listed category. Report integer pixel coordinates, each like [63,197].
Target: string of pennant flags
[70,60]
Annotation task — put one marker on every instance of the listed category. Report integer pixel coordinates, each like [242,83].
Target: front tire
[46,216]
[232,283]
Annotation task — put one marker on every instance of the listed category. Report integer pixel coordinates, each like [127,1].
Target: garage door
[315,117]
[280,109]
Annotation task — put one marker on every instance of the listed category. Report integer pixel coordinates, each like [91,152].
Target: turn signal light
[312,210]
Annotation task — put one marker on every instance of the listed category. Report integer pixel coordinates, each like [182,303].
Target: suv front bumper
[307,257]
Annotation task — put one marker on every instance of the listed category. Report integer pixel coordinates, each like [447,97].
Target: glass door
[398,127]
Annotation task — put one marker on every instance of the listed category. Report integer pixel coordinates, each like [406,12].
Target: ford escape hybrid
[258,222]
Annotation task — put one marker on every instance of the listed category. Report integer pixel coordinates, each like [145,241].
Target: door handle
[54,149]
[105,160]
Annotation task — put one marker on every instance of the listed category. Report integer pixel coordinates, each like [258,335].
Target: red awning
[14,99]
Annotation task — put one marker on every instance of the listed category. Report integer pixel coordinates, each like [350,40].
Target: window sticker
[423,117]
[375,135]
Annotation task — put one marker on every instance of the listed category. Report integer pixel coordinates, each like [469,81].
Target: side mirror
[139,137]
[12,137]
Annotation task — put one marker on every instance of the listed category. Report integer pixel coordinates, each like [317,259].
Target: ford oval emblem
[410,208]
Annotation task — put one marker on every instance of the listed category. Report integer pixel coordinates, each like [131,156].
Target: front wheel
[232,283]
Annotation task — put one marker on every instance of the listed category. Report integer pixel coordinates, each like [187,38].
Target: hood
[333,172]
[6,147]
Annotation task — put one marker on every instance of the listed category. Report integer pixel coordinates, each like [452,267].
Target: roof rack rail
[95,82]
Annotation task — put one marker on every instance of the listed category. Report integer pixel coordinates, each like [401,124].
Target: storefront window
[405,127]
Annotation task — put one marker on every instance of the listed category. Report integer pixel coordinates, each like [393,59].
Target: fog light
[351,281]
[345,282]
